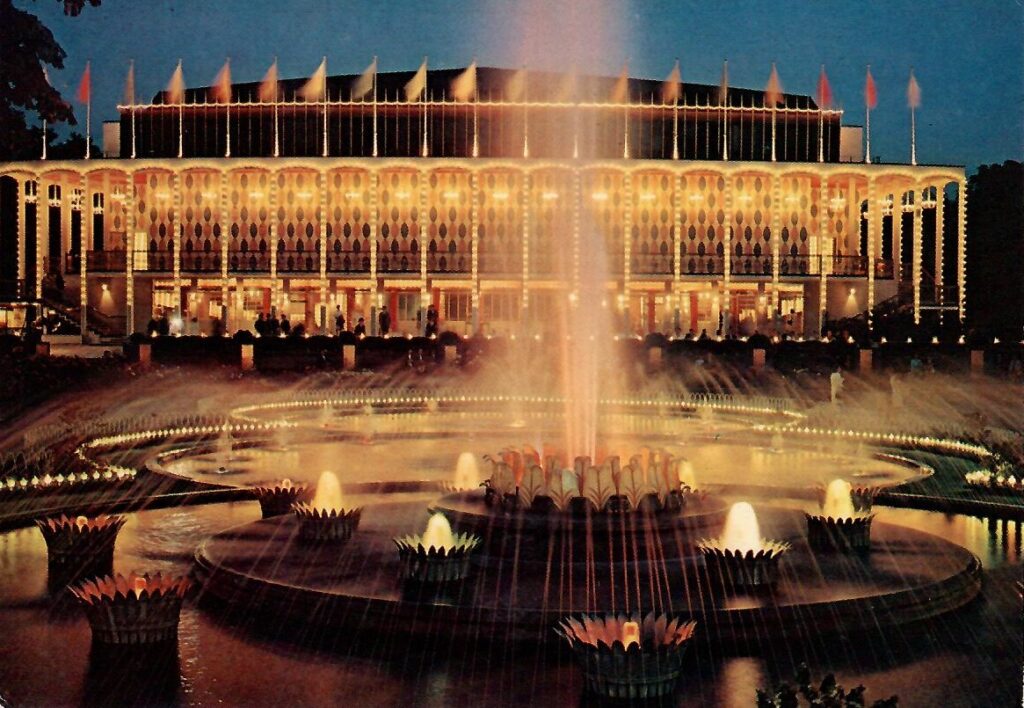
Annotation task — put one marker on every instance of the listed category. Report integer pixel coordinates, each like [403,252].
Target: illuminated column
[378,296]
[175,218]
[872,207]
[42,224]
[525,211]
[424,233]
[677,246]
[19,227]
[940,199]
[824,251]
[916,213]
[961,246]
[627,246]
[322,226]
[85,209]
[727,238]
[474,247]
[129,260]
[225,254]
[776,238]
[275,286]
[897,237]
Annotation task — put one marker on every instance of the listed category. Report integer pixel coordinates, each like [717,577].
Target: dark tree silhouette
[25,46]
[995,250]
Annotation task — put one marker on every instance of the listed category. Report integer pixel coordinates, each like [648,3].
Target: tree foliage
[995,249]
[26,45]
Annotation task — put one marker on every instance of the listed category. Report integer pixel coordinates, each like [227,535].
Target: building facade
[720,217]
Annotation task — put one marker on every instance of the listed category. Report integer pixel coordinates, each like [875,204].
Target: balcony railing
[651,264]
[348,261]
[200,262]
[106,261]
[696,264]
[398,262]
[438,262]
[749,264]
[298,262]
[798,266]
[249,262]
[849,266]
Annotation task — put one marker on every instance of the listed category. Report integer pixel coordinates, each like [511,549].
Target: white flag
[417,84]
[464,85]
[364,84]
[314,88]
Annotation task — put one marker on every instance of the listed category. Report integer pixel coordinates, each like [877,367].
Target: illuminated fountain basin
[416,445]
[520,588]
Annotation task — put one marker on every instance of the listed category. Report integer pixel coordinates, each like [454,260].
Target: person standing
[286,326]
[384,321]
[431,321]
[360,329]
[339,320]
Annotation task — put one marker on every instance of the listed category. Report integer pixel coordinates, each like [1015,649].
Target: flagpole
[374,89]
[821,121]
[867,122]
[181,122]
[424,99]
[724,102]
[675,130]
[277,151]
[88,114]
[325,107]
[913,138]
[227,120]
[44,138]
[131,68]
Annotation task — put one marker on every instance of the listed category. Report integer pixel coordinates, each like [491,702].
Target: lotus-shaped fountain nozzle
[277,498]
[741,557]
[133,609]
[626,656]
[325,518]
[843,524]
[438,555]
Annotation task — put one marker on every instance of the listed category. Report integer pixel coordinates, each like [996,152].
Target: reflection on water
[47,659]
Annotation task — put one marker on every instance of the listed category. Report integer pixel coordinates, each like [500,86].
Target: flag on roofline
[313,90]
[464,85]
[364,84]
[221,90]
[870,92]
[85,85]
[417,84]
[673,85]
[824,90]
[176,86]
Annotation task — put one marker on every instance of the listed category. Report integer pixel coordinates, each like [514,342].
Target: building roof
[492,83]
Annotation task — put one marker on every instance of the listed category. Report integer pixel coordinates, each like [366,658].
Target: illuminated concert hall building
[493,209]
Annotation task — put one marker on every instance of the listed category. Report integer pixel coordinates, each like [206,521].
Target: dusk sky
[968,56]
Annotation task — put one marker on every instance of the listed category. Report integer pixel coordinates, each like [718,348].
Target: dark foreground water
[969,658]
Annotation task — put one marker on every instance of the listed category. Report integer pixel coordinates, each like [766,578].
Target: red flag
[773,91]
[870,94]
[221,90]
[824,90]
[913,92]
[85,85]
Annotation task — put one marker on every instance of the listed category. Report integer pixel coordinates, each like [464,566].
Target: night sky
[968,55]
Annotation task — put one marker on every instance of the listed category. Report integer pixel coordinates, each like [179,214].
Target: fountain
[277,499]
[79,547]
[437,556]
[467,472]
[137,609]
[841,526]
[740,557]
[626,657]
[325,518]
